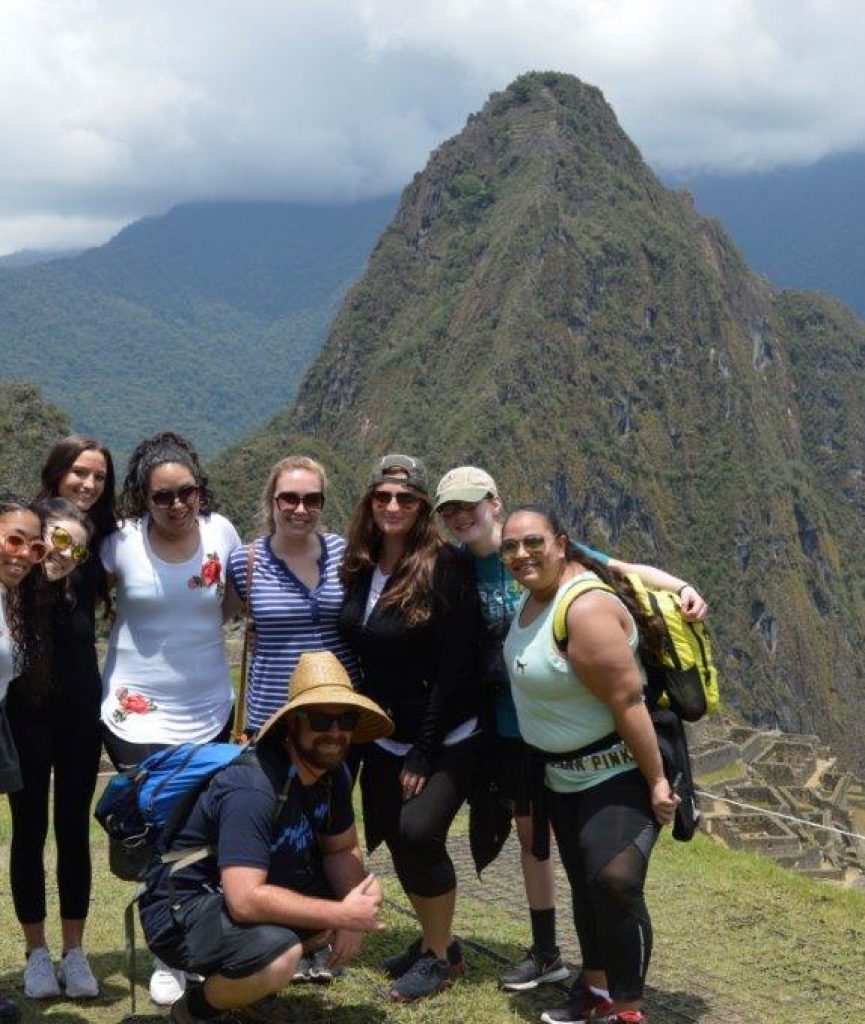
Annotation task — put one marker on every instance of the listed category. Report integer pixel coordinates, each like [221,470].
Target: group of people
[413,657]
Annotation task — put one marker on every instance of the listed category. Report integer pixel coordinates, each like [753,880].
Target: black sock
[198,1004]
[544,932]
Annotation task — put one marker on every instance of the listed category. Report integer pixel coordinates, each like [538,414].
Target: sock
[198,1004]
[544,931]
[604,993]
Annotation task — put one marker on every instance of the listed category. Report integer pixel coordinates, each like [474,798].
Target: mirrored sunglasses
[533,544]
[61,540]
[16,546]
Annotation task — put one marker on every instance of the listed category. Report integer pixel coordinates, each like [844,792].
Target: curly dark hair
[60,460]
[156,451]
[26,607]
[412,589]
[650,628]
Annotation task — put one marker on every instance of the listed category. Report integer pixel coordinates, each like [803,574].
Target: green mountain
[28,428]
[201,320]
[541,305]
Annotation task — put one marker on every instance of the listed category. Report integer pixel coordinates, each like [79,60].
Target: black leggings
[70,744]
[416,830]
[605,836]
[125,755]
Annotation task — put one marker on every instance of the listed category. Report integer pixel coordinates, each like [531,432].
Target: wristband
[684,586]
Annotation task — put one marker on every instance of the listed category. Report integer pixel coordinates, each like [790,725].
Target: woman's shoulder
[334,543]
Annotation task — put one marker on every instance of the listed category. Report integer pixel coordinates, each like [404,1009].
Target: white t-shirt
[7,650]
[166,676]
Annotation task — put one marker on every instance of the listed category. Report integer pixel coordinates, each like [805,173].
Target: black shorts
[511,773]
[204,940]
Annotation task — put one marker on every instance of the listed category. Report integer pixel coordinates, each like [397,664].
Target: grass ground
[736,940]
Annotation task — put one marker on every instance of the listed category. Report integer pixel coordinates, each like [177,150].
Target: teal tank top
[556,712]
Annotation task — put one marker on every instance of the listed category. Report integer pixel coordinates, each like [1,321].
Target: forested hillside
[202,320]
[28,428]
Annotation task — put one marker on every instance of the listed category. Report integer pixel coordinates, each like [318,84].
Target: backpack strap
[239,734]
[575,590]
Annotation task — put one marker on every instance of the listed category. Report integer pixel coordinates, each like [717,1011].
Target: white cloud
[112,108]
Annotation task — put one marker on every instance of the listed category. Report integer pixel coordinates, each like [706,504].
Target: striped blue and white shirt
[289,619]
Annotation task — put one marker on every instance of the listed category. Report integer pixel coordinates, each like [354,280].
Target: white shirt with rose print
[166,677]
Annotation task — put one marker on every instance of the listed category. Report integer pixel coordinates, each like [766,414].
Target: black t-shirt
[235,816]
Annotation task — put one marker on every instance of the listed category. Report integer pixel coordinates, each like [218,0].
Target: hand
[411,784]
[664,802]
[361,906]
[694,608]
[345,946]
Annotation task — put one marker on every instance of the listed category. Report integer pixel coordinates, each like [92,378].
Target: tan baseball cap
[465,483]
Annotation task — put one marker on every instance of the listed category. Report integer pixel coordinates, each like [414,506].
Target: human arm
[599,653]
[694,607]
[453,669]
[344,869]
[232,603]
[251,899]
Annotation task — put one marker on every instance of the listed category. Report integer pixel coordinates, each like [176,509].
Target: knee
[621,888]
[281,970]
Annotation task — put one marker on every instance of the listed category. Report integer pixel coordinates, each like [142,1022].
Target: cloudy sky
[112,109]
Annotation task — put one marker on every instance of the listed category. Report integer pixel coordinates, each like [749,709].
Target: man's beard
[324,752]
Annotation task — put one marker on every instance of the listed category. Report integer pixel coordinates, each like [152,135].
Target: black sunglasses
[405,499]
[288,501]
[321,721]
[165,498]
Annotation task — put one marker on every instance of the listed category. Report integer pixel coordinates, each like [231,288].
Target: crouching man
[272,865]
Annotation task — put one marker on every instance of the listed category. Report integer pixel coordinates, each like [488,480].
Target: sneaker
[40,981]
[396,966]
[166,984]
[425,977]
[75,975]
[536,969]
[622,1017]
[583,1005]
[10,1011]
[316,967]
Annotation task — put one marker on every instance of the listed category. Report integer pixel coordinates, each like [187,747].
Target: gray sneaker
[535,969]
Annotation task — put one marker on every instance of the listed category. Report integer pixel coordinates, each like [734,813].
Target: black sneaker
[316,967]
[396,966]
[427,976]
[535,969]
[269,1010]
[582,1007]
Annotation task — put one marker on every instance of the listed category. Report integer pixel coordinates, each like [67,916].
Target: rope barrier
[778,814]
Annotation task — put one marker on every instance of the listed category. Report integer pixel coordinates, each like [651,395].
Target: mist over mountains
[802,227]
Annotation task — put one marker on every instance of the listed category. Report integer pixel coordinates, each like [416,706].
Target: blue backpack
[141,809]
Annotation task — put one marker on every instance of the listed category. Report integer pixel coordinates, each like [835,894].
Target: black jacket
[426,677]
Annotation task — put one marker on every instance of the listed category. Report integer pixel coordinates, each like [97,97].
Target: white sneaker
[75,975]
[40,981]
[166,984]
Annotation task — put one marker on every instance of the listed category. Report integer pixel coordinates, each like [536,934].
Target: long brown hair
[412,588]
[57,464]
[649,627]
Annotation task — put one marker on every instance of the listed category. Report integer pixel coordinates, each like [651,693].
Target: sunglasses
[405,499]
[533,544]
[288,501]
[16,546]
[321,721]
[186,495]
[61,540]
[452,508]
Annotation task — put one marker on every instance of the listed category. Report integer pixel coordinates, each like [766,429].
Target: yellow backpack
[685,679]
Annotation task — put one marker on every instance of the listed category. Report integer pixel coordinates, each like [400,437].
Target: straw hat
[320,678]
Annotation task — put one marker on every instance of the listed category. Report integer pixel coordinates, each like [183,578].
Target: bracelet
[684,586]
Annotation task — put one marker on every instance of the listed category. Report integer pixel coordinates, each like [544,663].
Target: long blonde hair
[266,520]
